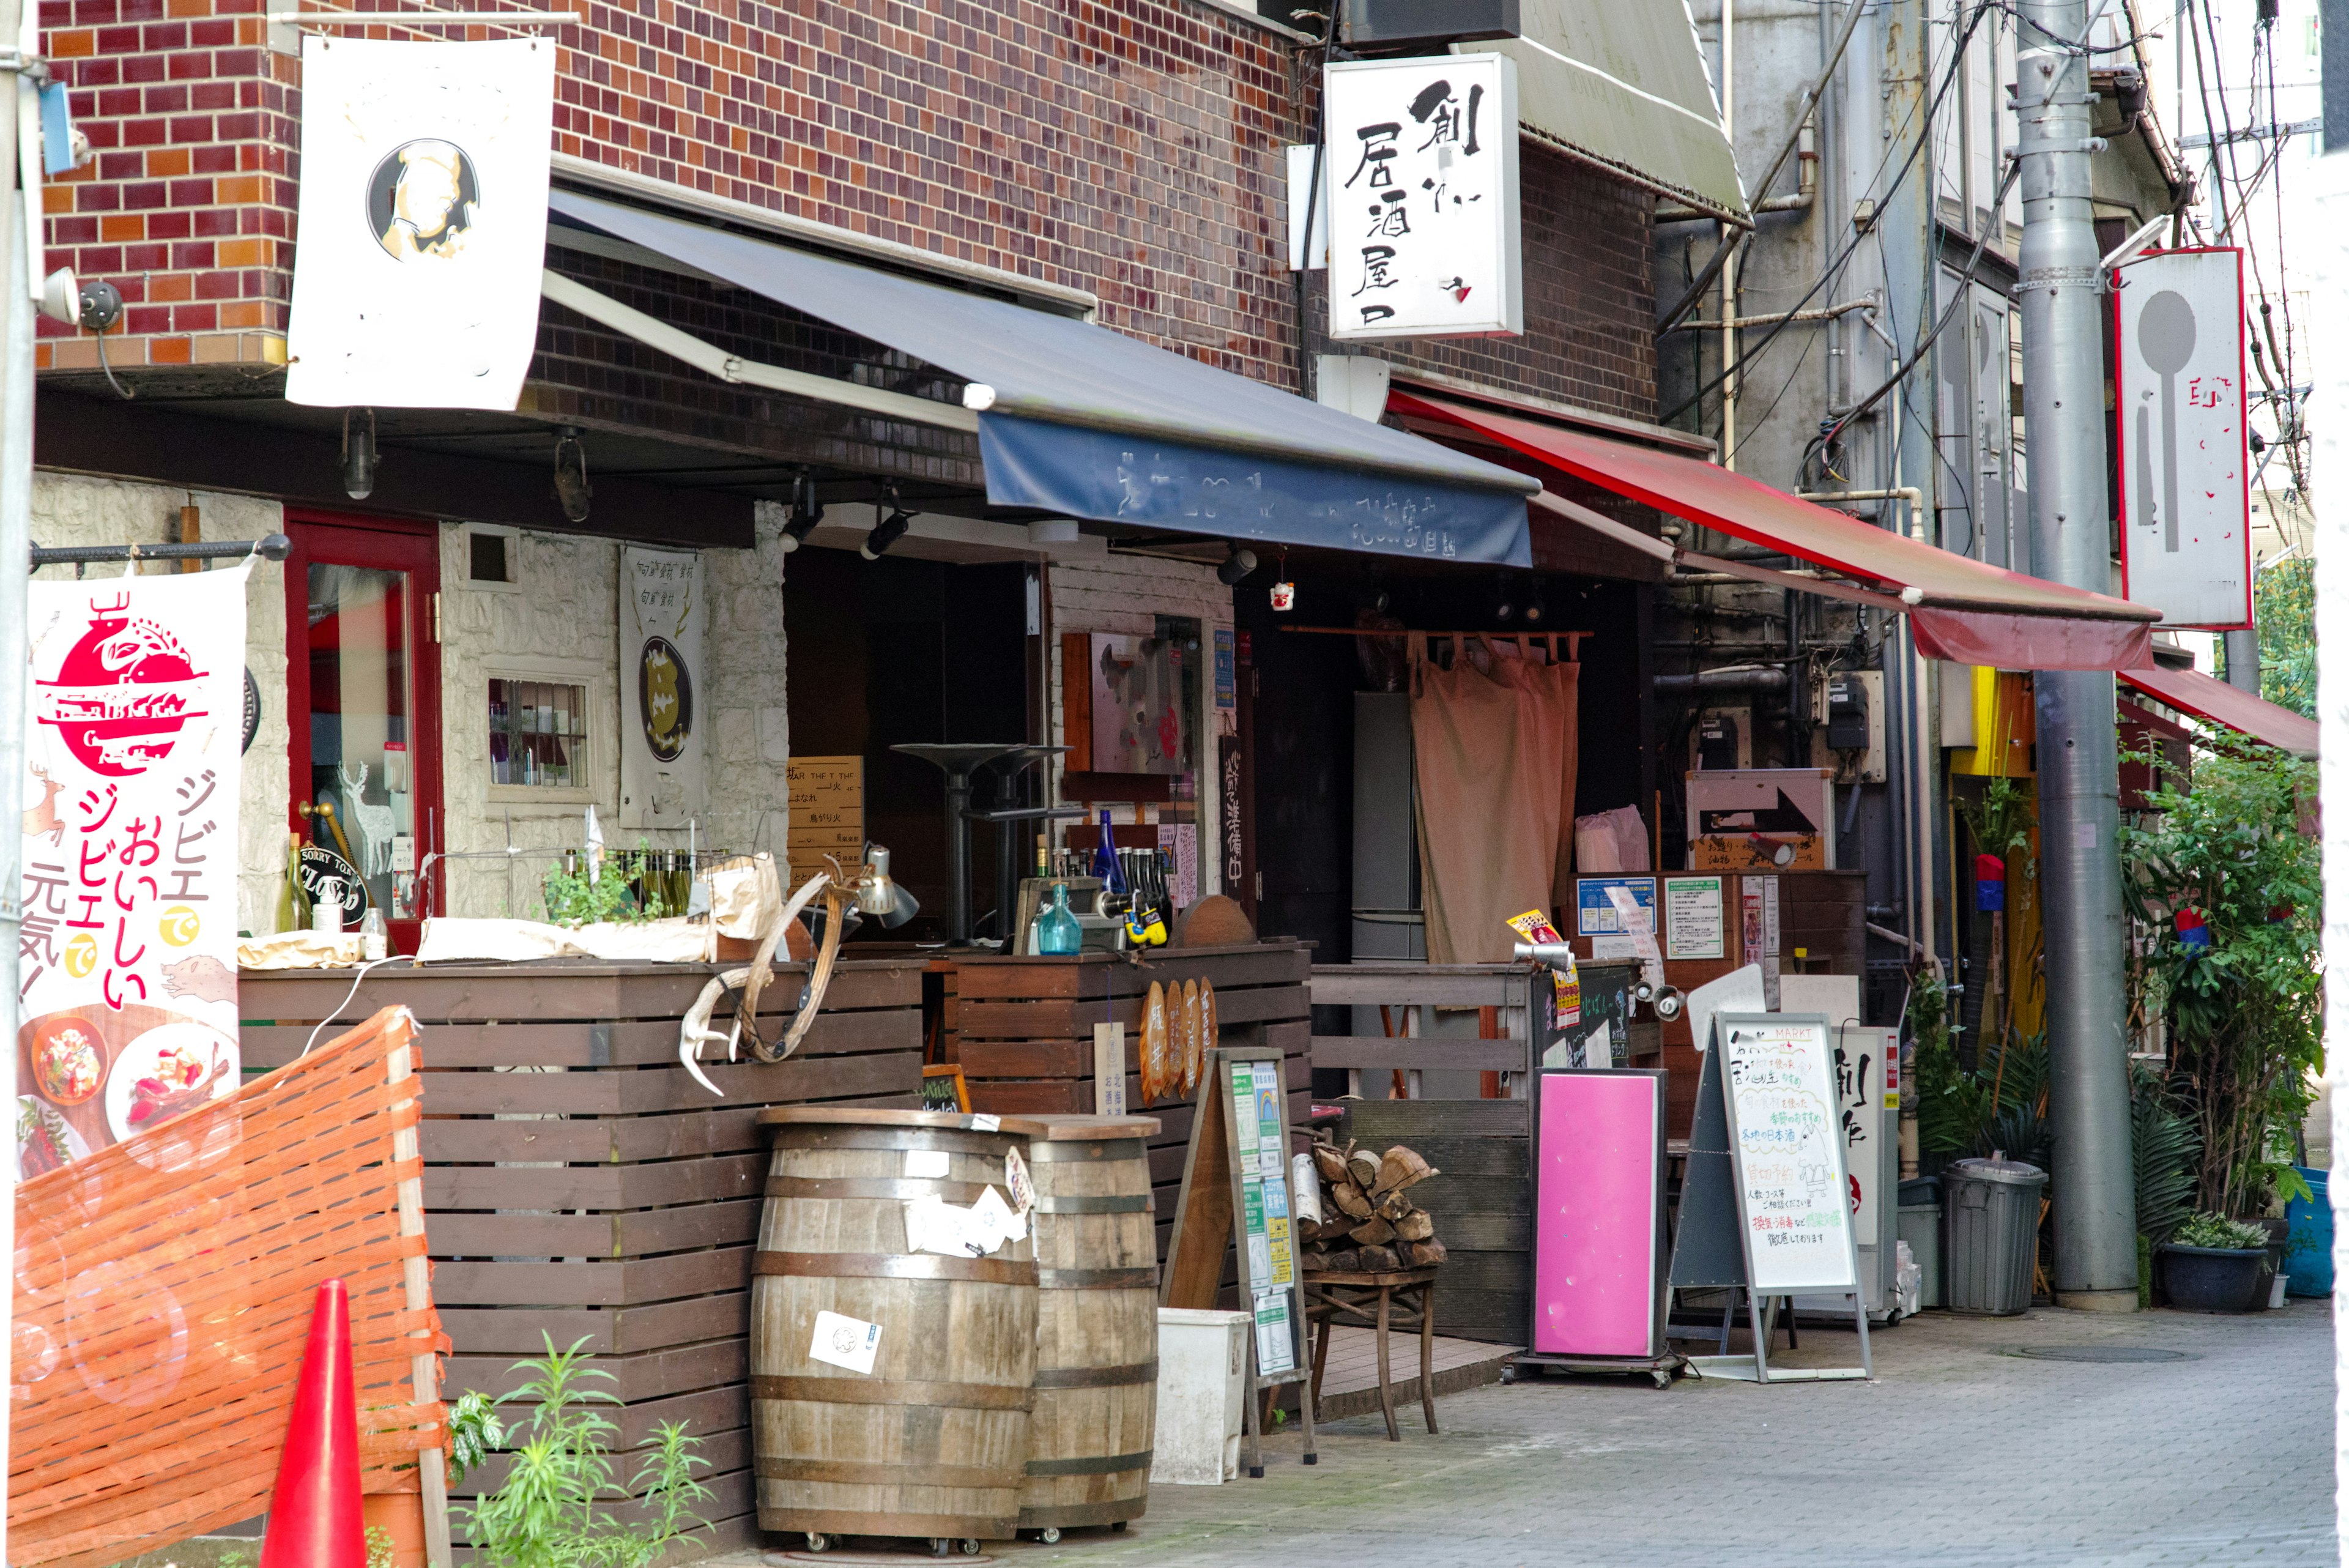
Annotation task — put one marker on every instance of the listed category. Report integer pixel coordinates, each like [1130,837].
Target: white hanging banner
[1421,180]
[2186,536]
[128,953]
[423,222]
[662,612]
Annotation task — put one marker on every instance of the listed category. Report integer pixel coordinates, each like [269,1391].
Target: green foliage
[2001,823]
[2242,1013]
[2284,609]
[612,895]
[2168,1156]
[473,1430]
[553,1510]
[378,1547]
[2217,1232]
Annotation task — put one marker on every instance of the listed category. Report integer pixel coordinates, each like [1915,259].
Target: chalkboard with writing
[1785,1147]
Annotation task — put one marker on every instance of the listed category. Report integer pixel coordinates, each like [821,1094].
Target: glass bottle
[1057,930]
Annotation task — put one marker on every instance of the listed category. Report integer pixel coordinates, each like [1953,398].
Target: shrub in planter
[2215,1265]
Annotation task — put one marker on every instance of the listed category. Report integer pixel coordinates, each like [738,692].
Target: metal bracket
[31,67]
[2085,144]
[2061,278]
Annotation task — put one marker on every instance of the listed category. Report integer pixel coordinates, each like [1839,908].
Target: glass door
[363,689]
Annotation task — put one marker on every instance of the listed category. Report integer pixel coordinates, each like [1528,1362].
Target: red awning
[2206,697]
[1959,609]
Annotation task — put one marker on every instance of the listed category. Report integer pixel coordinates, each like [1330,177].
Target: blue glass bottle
[1057,930]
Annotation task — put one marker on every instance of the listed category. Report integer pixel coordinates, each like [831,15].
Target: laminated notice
[1276,1349]
[843,1341]
[1015,1182]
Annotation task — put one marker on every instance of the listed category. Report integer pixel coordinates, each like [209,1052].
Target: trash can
[1991,1214]
[2308,1253]
[1920,1226]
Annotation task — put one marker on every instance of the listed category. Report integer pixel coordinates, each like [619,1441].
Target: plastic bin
[1992,1221]
[1202,1395]
[2308,1251]
[1920,1226]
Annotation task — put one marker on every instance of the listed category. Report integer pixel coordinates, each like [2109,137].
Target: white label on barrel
[985,1124]
[925,1164]
[842,1341]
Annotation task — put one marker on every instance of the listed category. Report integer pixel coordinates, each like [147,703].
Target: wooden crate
[1023,1032]
[1481,1202]
[579,1184]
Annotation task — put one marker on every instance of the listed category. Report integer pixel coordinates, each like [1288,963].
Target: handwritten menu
[827,795]
[1785,1141]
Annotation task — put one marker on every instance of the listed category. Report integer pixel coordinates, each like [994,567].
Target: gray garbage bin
[1991,1210]
[1920,1225]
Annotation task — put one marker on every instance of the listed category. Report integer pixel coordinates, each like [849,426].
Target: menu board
[1270,1261]
[1786,1145]
[827,801]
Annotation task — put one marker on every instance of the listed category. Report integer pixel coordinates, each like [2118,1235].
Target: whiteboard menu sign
[1786,1145]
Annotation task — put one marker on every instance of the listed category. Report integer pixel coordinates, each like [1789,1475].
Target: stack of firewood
[1364,1221]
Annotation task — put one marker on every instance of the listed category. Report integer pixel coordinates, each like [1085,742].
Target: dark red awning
[2206,697]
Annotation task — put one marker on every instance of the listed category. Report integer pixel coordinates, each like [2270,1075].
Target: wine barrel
[933,1441]
[1097,1321]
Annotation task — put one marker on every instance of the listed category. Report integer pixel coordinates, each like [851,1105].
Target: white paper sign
[1693,925]
[663,607]
[2186,541]
[1420,179]
[843,1341]
[423,231]
[1786,1144]
[925,1164]
[127,957]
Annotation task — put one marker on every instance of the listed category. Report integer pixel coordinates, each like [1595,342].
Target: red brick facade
[1127,147]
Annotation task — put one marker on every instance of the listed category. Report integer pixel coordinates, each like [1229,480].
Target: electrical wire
[371,963]
[1834,269]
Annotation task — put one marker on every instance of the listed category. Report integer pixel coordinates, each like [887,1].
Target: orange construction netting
[163,1295]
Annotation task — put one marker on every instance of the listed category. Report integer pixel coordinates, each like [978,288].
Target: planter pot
[400,1514]
[2214,1279]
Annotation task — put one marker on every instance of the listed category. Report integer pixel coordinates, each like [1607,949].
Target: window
[539,739]
[492,558]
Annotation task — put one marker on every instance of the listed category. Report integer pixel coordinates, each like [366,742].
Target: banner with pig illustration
[129,953]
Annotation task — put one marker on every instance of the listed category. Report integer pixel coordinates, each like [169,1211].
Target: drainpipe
[1729,268]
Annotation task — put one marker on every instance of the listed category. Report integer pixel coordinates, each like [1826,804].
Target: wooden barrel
[933,1441]
[1097,1321]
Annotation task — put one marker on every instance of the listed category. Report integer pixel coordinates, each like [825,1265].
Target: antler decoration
[746,984]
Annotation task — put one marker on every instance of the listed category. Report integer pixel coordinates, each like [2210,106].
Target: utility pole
[2243,659]
[2079,766]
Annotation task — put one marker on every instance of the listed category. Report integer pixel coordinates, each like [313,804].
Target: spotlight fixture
[1237,566]
[890,529]
[1535,609]
[359,453]
[1504,608]
[571,487]
[807,511]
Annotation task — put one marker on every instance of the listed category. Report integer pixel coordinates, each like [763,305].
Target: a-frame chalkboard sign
[1765,1199]
[1236,1194]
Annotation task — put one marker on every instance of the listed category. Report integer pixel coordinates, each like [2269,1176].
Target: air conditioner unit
[1424,24]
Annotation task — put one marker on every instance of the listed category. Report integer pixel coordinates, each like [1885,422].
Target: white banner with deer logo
[129,951]
[663,606]
[423,222]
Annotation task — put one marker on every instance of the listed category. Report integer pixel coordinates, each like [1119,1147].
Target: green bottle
[1057,930]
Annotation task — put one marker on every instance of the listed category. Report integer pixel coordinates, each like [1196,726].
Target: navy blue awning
[1081,421]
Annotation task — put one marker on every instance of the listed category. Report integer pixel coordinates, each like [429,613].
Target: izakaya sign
[2177,385]
[663,607]
[128,962]
[423,222]
[1422,192]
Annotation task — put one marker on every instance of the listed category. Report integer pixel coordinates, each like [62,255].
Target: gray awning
[1085,421]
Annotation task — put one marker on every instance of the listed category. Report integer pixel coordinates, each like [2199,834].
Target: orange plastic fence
[163,1290]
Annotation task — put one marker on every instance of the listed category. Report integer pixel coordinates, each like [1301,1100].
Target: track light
[571,487]
[1504,608]
[359,453]
[807,511]
[1535,612]
[889,530]
[1236,567]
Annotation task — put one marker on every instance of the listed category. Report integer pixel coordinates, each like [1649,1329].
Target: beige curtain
[1494,749]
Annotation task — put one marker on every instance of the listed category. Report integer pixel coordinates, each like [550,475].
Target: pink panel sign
[1595,1230]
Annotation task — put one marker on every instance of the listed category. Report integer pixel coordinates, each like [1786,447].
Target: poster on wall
[422,221]
[2179,393]
[663,703]
[1144,696]
[128,966]
[1422,186]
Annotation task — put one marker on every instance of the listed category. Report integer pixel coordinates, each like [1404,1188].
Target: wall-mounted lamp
[1237,566]
[807,511]
[890,529]
[359,453]
[572,490]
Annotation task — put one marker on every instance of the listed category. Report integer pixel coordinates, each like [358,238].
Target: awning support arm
[712,360]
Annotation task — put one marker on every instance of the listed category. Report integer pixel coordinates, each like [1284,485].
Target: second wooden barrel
[1097,1321]
[934,1440]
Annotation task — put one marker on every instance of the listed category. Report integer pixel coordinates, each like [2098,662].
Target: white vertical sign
[1420,179]
[129,950]
[423,222]
[2185,477]
[663,607]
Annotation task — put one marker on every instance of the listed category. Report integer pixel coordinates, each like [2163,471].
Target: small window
[538,734]
[490,560]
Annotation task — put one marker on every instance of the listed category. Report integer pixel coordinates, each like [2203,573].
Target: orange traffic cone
[315,1518]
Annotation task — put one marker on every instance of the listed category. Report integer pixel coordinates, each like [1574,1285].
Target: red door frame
[385,544]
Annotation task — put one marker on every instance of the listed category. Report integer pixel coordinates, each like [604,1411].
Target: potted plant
[2215,1265]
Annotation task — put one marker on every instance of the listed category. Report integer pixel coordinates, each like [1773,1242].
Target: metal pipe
[19,210]
[1869,302]
[1729,344]
[2079,783]
[1914,496]
[1705,682]
[269,547]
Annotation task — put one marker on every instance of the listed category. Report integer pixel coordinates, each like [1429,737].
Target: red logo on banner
[122,693]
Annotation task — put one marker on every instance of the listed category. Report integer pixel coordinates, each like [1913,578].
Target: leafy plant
[473,1430]
[379,1552]
[2240,996]
[2216,1230]
[553,1510]
[2166,1155]
[2285,614]
[624,890]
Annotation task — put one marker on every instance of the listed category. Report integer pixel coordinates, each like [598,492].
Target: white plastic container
[1202,1385]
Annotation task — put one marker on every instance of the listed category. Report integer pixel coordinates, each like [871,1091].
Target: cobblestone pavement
[1961,1455]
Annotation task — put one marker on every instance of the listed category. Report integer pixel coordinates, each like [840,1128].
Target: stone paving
[1961,1455]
